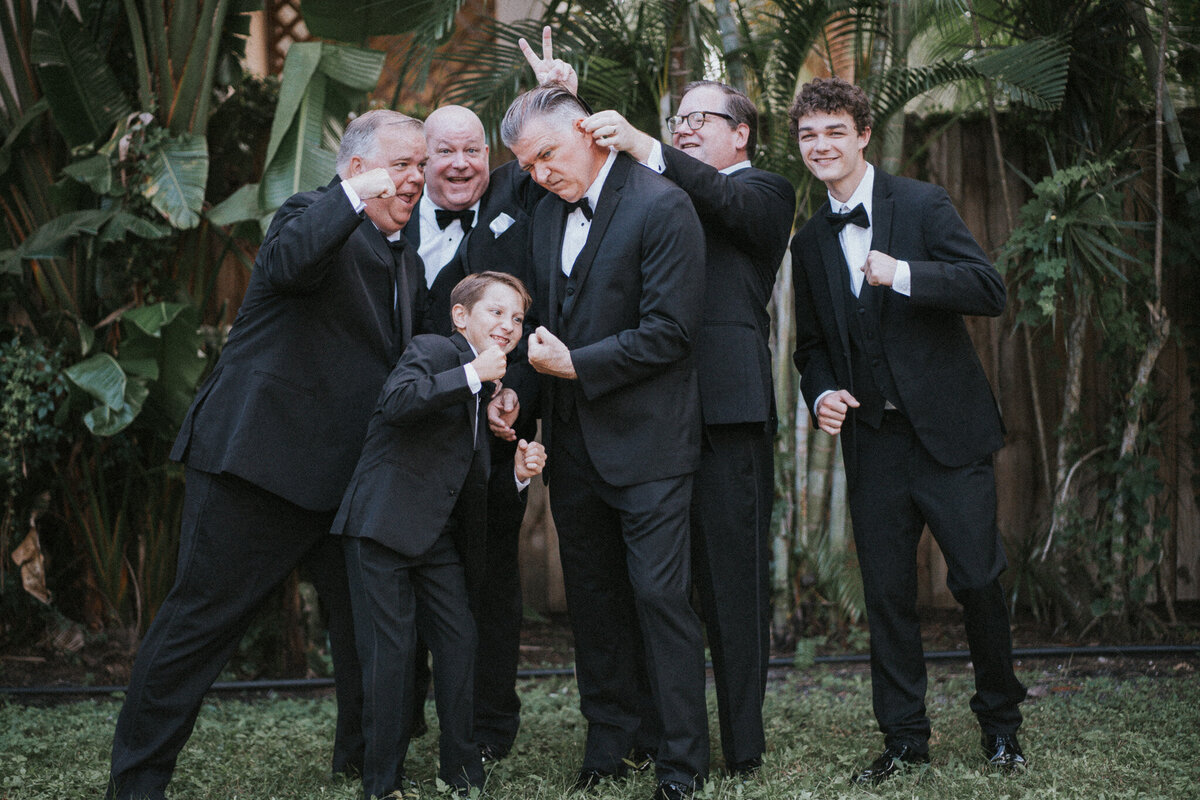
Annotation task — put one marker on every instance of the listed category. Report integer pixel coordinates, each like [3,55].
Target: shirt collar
[732,168]
[593,192]
[862,193]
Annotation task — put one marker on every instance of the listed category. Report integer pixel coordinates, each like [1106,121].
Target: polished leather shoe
[589,779]
[491,753]
[893,760]
[640,760]
[1003,751]
[744,770]
[670,790]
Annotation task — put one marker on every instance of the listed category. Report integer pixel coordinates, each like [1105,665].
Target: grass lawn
[1089,737]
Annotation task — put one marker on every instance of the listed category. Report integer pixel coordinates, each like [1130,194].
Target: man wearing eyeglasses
[747,215]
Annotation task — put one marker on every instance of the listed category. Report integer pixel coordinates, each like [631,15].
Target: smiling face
[457,173]
[495,318]
[559,155]
[716,144]
[400,149]
[833,150]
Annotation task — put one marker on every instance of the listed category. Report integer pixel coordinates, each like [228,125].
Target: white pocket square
[500,224]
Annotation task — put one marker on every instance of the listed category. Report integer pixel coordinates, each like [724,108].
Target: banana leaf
[82,91]
[178,174]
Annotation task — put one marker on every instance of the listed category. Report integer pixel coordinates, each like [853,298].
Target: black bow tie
[466,218]
[398,244]
[856,215]
[583,205]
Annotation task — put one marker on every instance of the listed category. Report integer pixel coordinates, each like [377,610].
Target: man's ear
[355,167]
[458,315]
[741,135]
[866,137]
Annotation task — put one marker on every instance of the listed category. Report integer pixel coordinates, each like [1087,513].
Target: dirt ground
[69,658]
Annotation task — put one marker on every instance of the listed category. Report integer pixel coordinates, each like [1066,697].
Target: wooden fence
[961,159]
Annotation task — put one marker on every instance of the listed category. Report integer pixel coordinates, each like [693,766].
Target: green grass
[1087,738]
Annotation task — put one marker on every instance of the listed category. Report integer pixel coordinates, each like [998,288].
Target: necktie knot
[582,204]
[855,216]
[444,217]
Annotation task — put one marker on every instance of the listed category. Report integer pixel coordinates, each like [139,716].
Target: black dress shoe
[744,770]
[1003,751]
[670,790]
[891,761]
[589,779]
[491,753]
[640,760]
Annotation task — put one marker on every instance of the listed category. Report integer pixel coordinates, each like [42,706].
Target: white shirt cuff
[521,485]
[473,379]
[902,280]
[353,197]
[655,160]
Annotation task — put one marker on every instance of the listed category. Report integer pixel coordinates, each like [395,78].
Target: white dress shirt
[576,233]
[438,245]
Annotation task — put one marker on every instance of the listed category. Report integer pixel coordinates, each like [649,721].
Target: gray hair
[553,99]
[360,137]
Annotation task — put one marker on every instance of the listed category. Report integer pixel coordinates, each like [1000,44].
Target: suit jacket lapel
[465,356]
[882,208]
[835,275]
[551,254]
[610,198]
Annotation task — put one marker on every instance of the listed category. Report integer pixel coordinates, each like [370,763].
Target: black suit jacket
[941,382]
[417,458]
[630,314]
[747,217]
[287,404]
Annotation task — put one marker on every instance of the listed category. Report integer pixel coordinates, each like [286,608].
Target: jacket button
[570,291]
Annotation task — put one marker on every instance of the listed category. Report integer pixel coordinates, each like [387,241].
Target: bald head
[457,173]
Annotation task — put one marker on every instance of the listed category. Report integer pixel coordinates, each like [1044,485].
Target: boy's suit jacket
[942,385]
[416,465]
[287,405]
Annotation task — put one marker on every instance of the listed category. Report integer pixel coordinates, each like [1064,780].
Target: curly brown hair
[829,96]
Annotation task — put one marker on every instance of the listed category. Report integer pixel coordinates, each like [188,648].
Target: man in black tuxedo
[747,215]
[883,276]
[416,501]
[272,438]
[467,221]
[618,284]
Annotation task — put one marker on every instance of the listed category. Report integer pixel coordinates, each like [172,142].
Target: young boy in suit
[413,515]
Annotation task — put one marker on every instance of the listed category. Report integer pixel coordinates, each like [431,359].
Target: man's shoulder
[913,188]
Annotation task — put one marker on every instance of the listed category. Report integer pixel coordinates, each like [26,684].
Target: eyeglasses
[695,120]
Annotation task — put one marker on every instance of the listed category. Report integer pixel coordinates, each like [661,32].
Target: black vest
[872,382]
